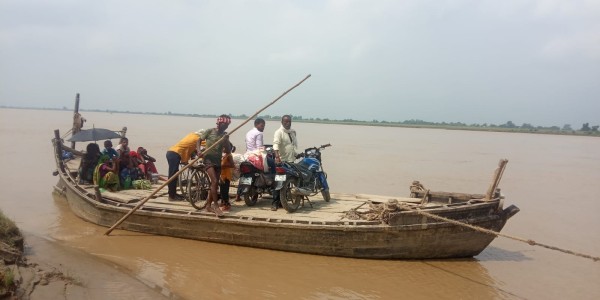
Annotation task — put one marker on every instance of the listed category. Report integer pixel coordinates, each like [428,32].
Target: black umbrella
[94,134]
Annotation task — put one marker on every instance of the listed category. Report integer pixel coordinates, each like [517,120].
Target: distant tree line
[509,126]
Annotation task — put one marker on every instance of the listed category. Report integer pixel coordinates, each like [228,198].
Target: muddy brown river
[554,180]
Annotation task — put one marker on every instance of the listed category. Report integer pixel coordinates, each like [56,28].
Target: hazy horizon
[534,61]
[411,122]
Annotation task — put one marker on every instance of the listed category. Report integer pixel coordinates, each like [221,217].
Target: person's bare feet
[215,209]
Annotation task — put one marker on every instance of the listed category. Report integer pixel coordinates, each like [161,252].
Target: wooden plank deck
[320,211]
[332,211]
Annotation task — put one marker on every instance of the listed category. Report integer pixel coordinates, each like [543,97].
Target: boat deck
[331,211]
[316,209]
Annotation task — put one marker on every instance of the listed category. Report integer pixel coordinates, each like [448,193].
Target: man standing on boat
[285,144]
[181,152]
[212,159]
[254,137]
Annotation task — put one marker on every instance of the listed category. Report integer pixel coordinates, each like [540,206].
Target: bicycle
[198,186]
[183,179]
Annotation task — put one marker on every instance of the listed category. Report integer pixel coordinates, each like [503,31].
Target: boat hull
[356,239]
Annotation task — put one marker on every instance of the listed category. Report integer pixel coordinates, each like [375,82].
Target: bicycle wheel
[183,180]
[198,187]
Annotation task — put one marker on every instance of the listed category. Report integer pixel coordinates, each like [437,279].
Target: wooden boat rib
[323,229]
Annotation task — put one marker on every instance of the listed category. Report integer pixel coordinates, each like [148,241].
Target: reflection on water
[545,174]
[492,253]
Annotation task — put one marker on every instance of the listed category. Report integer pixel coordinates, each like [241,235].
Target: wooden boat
[350,225]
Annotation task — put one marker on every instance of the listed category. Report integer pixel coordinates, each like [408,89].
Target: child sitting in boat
[109,150]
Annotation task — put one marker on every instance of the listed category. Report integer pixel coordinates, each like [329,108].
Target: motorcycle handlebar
[299,155]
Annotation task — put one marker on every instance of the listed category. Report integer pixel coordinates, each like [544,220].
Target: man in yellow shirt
[181,152]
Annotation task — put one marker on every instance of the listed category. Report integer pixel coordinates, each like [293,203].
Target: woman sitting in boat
[145,162]
[129,170]
[105,175]
[88,163]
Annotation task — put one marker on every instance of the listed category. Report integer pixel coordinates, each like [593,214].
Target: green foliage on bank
[8,230]
[9,235]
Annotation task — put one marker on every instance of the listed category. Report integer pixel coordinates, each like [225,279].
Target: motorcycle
[303,178]
[254,181]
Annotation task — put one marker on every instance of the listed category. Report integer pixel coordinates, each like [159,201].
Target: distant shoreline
[509,127]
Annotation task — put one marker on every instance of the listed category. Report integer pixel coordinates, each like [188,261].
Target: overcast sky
[478,61]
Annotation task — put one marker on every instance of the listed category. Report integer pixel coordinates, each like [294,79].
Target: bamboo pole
[496,179]
[200,156]
[58,150]
[75,129]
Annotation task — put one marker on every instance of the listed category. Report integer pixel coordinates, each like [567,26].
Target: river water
[554,180]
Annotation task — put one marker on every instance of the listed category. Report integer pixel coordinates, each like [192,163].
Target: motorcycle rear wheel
[251,196]
[289,201]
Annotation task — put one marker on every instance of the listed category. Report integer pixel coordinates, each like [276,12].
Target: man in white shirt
[254,137]
[285,142]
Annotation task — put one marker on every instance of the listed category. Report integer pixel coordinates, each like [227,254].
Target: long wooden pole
[199,156]
[75,129]
[496,179]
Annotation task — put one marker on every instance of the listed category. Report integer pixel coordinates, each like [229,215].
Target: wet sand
[58,271]
[552,179]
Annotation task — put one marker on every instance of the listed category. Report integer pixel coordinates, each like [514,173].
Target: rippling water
[553,179]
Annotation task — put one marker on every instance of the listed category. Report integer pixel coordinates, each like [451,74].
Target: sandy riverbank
[51,270]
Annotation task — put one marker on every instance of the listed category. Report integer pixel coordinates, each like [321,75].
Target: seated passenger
[105,175]
[146,163]
[123,146]
[88,163]
[128,170]
[109,150]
